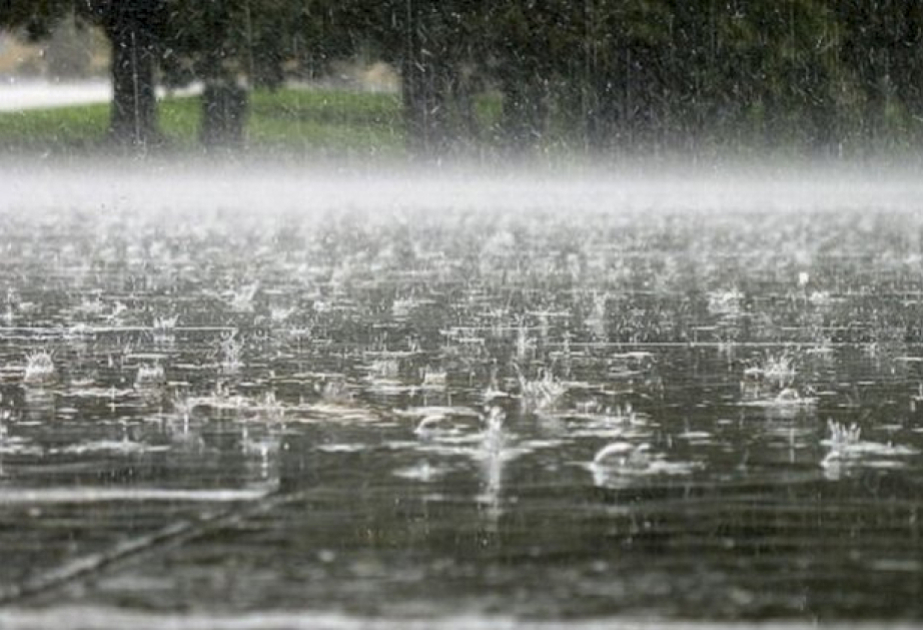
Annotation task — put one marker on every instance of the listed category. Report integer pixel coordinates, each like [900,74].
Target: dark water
[476,412]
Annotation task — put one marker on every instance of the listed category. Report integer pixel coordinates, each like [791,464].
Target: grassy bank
[316,122]
[324,123]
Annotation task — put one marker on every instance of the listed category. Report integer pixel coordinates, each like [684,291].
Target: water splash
[39,369]
[847,450]
[150,376]
[541,394]
[230,349]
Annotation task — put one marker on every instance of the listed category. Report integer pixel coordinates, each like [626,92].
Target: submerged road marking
[172,535]
[45,496]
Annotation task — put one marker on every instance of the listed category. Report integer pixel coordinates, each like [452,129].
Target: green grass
[339,123]
[325,122]
[59,129]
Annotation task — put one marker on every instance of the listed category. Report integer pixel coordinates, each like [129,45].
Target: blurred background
[744,78]
[69,54]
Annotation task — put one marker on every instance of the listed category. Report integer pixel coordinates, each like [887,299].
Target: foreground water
[486,400]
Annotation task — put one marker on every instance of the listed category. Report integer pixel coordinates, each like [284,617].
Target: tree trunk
[424,81]
[416,104]
[424,91]
[224,111]
[524,111]
[224,100]
[602,124]
[133,120]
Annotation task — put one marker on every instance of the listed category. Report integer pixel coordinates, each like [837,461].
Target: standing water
[279,400]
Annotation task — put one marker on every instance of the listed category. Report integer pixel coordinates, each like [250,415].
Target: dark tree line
[601,74]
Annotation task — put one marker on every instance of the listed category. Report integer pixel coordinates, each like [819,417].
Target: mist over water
[286,395]
[254,186]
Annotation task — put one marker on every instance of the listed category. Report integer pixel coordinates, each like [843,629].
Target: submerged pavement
[213,416]
[106,618]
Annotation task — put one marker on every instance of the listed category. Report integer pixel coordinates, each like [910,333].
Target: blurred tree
[882,49]
[436,60]
[233,45]
[522,38]
[212,42]
[69,51]
[432,44]
[134,29]
[36,18]
[602,73]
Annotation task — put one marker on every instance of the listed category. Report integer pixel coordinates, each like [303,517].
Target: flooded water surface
[460,399]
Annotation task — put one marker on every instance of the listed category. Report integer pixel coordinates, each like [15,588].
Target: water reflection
[494,452]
